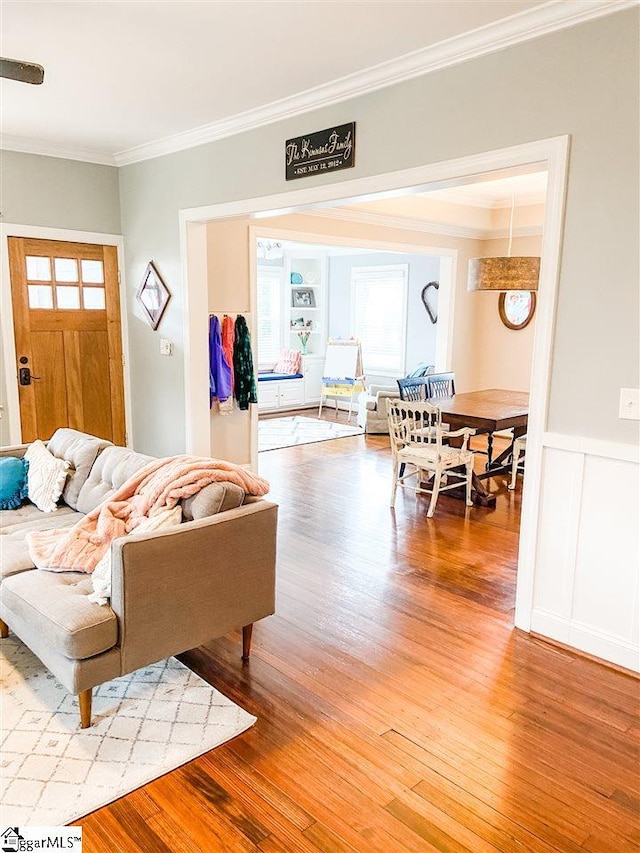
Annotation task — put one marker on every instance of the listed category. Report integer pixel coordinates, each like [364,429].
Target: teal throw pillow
[13,482]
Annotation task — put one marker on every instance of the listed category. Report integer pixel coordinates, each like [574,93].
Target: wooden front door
[66,311]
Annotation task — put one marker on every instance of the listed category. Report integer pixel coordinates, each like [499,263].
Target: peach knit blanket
[156,487]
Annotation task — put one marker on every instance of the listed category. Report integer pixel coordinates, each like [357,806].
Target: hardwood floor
[398,709]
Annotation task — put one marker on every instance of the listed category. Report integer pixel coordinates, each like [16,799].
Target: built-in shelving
[306,273]
[304,303]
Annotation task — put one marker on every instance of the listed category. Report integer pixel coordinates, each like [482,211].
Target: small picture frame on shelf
[303,297]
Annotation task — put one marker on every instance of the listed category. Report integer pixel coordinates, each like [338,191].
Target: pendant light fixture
[504,273]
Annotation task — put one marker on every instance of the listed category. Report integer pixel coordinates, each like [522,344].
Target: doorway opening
[334,288]
[206,230]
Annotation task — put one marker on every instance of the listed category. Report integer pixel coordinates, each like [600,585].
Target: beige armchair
[372,411]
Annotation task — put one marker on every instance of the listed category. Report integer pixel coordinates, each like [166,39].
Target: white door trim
[550,153]
[8,333]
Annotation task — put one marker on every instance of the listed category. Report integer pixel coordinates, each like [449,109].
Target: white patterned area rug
[274,433]
[144,725]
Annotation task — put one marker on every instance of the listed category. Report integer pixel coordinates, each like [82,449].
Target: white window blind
[379,316]
[269,315]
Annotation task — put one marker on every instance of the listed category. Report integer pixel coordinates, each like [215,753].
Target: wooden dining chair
[519,447]
[440,385]
[417,436]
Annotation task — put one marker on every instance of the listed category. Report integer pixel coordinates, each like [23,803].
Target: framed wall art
[153,295]
[516,308]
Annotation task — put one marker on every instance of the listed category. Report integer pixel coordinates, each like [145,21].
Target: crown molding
[53,149]
[406,223]
[522,231]
[533,23]
[522,201]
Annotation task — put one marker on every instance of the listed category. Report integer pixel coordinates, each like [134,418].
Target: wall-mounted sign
[321,152]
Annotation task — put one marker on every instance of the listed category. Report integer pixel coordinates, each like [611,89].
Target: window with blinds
[379,316]
[270,318]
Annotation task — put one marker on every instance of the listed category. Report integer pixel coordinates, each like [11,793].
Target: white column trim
[557,164]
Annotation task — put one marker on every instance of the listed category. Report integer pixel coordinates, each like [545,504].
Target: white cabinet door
[268,395]
[291,393]
[312,369]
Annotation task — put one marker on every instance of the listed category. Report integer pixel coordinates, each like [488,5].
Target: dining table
[488,412]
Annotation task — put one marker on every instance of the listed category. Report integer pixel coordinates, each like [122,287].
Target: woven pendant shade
[510,273]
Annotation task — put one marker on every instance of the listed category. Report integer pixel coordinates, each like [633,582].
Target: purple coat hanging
[220,371]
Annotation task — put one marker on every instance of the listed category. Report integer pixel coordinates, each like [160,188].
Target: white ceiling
[125,74]
[523,189]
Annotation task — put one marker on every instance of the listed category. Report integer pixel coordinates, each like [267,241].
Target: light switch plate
[629,404]
[166,347]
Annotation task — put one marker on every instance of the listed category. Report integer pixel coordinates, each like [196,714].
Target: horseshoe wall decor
[433,313]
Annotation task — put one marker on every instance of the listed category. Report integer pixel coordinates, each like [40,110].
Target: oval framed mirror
[516,308]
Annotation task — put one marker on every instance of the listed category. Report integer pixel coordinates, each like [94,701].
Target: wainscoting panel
[587,577]
[559,521]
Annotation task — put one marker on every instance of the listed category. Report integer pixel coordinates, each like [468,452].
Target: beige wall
[528,216]
[228,289]
[502,357]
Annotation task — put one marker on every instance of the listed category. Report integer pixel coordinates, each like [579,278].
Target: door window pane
[92,272]
[66,269]
[40,296]
[38,269]
[93,298]
[68,297]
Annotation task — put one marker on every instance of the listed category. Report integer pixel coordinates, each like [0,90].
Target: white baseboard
[586,639]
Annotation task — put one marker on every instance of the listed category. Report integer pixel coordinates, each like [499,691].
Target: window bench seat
[277,377]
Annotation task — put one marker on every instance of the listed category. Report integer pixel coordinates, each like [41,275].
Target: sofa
[171,590]
[372,408]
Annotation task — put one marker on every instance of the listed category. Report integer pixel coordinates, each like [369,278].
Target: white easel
[343,375]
